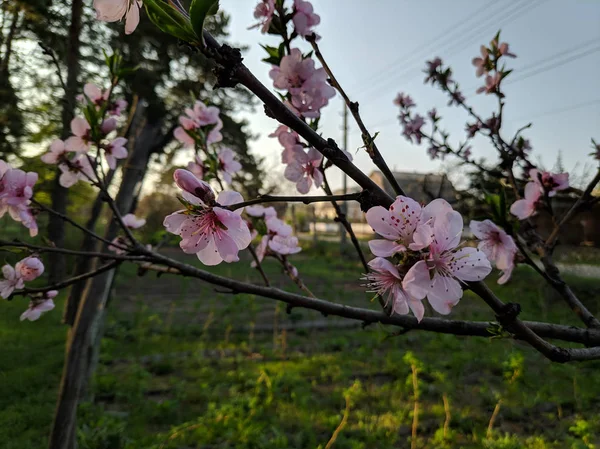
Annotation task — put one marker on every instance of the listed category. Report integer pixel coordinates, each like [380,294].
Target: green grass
[182,368]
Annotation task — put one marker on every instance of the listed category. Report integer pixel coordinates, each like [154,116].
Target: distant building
[423,187]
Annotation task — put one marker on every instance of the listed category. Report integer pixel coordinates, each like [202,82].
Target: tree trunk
[56,227]
[9,40]
[82,346]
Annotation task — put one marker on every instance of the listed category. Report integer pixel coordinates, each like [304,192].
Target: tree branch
[299,199]
[368,140]
[473,328]
[67,282]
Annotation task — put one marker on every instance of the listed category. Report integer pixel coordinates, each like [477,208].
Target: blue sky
[379,47]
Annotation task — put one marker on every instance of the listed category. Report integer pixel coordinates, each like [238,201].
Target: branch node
[508,314]
[230,60]
[288,309]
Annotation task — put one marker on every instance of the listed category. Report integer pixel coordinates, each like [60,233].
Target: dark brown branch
[77,225]
[341,217]
[368,140]
[507,316]
[299,199]
[456,327]
[258,265]
[50,249]
[67,282]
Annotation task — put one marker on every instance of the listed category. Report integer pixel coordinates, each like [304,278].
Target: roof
[422,187]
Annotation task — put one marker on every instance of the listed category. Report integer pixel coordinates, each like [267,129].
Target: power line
[553,65]
[412,54]
[386,123]
[454,47]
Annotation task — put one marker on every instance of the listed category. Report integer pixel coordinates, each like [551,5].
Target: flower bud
[30,268]
[186,181]
[108,125]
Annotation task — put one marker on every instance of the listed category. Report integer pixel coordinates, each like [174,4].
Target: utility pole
[344,205]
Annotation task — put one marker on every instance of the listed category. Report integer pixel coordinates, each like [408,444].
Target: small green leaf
[170,20]
[199,11]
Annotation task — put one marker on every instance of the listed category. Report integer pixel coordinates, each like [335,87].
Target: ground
[183,366]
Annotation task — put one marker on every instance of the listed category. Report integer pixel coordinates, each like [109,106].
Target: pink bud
[29,268]
[108,125]
[186,180]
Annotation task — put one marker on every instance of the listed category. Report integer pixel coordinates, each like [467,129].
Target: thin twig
[299,199]
[72,252]
[368,140]
[67,282]
[77,225]
[258,265]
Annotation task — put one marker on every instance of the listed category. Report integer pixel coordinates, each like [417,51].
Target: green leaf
[170,20]
[199,11]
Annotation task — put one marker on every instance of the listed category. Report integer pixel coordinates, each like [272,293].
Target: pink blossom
[180,134]
[525,207]
[12,280]
[492,84]
[284,245]
[473,128]
[203,115]
[290,141]
[39,306]
[496,244]
[504,51]
[116,10]
[29,268]
[401,226]
[81,139]
[404,101]
[550,182]
[213,233]
[482,62]
[261,211]
[199,118]
[307,85]
[304,169]
[197,167]
[264,13]
[27,219]
[456,97]
[227,164]
[304,18]
[16,189]
[438,277]
[132,222]
[385,280]
[276,228]
[432,70]
[412,128]
[115,150]
[75,170]
[56,153]
[117,107]
[93,94]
